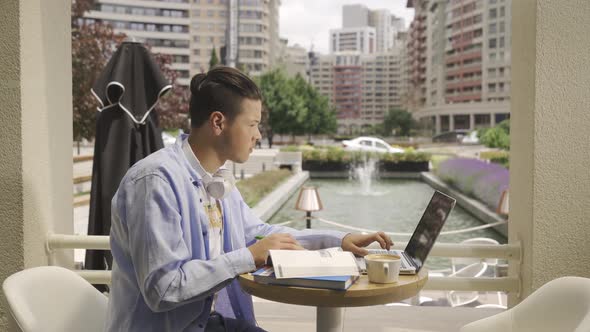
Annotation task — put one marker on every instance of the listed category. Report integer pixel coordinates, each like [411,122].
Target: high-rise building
[466,50]
[361,39]
[190,30]
[386,25]
[355,16]
[361,87]
[164,25]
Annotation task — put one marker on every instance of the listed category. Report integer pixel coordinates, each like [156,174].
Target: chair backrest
[458,263]
[51,298]
[460,298]
[560,305]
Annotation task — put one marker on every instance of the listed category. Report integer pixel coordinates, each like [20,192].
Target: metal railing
[510,252]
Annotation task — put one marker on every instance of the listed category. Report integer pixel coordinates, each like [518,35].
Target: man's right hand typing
[259,250]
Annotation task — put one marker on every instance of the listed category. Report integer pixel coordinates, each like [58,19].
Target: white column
[35,133]
[471,121]
[437,124]
[549,128]
[451,122]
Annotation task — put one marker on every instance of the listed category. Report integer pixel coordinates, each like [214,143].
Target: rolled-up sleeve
[165,271]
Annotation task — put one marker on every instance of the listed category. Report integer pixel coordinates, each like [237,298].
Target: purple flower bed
[476,178]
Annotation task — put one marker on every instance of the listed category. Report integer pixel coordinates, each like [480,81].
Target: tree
[214,61]
[496,137]
[399,120]
[286,109]
[92,47]
[320,117]
[173,107]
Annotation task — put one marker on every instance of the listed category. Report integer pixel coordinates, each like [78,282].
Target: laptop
[424,236]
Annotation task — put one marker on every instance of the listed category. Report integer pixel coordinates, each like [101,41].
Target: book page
[313,263]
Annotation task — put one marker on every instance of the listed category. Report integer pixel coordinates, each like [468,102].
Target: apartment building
[164,25]
[467,63]
[357,39]
[189,30]
[362,88]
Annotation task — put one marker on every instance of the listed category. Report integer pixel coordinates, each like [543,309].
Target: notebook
[267,276]
[424,236]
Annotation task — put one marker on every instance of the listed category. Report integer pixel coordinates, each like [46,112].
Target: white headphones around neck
[220,184]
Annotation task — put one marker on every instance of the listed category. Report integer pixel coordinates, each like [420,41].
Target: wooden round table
[329,303]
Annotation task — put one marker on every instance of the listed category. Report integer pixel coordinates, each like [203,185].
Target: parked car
[455,136]
[369,144]
[168,139]
[470,138]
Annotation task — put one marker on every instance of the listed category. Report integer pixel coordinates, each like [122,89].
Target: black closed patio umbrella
[127,130]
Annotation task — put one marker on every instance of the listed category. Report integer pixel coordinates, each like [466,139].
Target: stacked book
[328,269]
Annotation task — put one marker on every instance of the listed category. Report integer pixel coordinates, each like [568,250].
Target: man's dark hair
[222,89]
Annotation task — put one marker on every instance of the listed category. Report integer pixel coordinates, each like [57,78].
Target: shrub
[476,178]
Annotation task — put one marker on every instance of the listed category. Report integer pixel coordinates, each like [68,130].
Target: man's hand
[260,249]
[355,243]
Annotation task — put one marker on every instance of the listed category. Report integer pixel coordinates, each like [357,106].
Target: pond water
[390,205]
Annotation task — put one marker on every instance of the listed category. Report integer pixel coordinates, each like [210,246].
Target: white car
[369,144]
[470,138]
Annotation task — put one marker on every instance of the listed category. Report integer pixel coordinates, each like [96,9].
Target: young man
[181,232]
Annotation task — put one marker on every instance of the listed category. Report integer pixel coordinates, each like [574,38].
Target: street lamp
[308,201]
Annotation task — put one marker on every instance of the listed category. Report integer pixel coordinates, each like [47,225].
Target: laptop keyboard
[405,260]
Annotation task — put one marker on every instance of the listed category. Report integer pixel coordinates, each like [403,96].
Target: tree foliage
[399,121]
[294,106]
[496,137]
[214,60]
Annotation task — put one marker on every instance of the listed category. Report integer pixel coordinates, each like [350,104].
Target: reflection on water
[391,205]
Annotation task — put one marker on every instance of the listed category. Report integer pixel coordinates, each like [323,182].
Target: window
[367,143]
[210,26]
[493,13]
[197,39]
[210,13]
[196,25]
[196,13]
[197,52]
[502,27]
[492,43]
[493,28]
[150,27]
[502,11]
[501,43]
[211,39]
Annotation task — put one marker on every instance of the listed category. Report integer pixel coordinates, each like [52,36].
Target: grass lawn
[255,188]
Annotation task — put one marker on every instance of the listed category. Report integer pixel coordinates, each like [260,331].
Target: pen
[259,237]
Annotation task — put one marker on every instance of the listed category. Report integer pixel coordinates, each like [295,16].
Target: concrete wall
[35,132]
[550,153]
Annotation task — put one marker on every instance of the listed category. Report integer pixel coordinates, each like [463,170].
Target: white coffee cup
[383,268]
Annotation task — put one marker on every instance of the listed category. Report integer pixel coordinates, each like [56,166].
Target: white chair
[52,299]
[461,298]
[458,263]
[560,305]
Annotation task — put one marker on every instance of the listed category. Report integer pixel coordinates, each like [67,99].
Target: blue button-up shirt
[163,279]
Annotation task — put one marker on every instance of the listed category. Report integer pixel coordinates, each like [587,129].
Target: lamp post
[308,201]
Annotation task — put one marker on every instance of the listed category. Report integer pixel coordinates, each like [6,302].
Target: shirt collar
[192,158]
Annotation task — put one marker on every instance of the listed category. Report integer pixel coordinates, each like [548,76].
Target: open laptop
[424,236]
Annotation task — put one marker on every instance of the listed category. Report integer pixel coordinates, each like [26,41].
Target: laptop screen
[429,227]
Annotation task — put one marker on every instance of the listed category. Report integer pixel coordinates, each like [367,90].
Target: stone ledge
[478,209]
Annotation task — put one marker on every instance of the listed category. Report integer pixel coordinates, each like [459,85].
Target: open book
[313,263]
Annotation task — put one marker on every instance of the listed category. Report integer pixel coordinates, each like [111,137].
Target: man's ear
[217,121]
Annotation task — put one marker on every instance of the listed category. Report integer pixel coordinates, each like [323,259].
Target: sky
[305,22]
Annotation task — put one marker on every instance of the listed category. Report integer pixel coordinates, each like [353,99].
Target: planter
[325,166]
[404,166]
